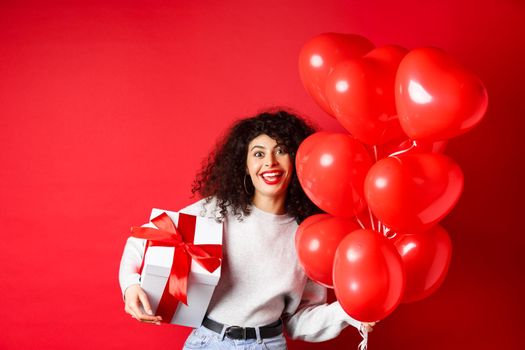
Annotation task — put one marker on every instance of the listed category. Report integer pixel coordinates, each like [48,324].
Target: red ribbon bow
[181,238]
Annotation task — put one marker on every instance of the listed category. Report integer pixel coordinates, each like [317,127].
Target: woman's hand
[368,326]
[134,297]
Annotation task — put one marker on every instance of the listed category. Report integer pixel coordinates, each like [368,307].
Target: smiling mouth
[272,177]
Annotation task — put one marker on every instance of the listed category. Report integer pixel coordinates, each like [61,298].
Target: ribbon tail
[206,255]
[178,286]
[210,264]
[167,307]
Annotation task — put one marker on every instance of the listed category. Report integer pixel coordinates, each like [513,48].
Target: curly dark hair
[223,173]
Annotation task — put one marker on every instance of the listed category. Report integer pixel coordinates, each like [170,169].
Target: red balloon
[426,258]
[319,56]
[436,98]
[369,278]
[316,241]
[331,168]
[360,92]
[308,221]
[410,193]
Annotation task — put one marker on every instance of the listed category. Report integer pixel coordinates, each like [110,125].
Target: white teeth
[271,175]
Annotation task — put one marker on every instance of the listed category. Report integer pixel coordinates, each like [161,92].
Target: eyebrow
[262,147]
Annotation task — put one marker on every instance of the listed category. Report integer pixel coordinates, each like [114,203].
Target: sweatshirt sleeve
[130,262]
[315,320]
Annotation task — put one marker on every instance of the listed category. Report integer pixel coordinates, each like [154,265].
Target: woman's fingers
[369,326]
[141,316]
[129,311]
[135,297]
[149,316]
[145,302]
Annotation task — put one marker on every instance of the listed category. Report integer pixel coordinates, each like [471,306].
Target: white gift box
[201,283]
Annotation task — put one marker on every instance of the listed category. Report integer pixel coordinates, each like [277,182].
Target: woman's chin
[271,193]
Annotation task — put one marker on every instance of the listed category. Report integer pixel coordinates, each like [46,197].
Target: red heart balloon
[331,168]
[436,98]
[312,219]
[316,241]
[319,56]
[426,258]
[360,92]
[412,192]
[369,278]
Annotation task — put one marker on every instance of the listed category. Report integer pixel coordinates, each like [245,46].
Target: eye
[258,154]
[281,150]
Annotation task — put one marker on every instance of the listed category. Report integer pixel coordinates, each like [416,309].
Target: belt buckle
[230,332]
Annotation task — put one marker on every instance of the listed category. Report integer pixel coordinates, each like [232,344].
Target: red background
[107,109]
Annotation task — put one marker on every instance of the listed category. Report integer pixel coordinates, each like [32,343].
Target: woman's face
[269,166]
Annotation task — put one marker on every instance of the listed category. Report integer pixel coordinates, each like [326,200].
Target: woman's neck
[269,204]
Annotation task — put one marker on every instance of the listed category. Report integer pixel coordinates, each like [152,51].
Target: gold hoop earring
[245,188]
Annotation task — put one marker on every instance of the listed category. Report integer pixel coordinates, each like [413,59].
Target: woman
[249,184]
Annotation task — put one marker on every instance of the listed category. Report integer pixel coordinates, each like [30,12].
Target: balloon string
[359,222]
[375,149]
[364,334]
[371,219]
[412,146]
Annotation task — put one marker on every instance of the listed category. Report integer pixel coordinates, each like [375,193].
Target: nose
[270,160]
